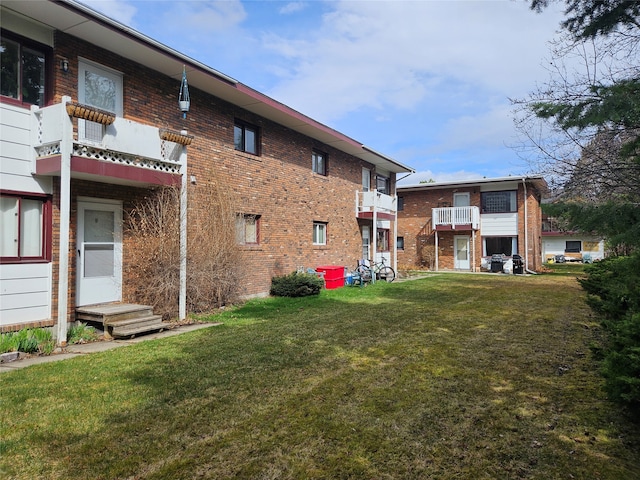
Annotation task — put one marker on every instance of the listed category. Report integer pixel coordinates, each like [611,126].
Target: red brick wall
[415,220]
[278,185]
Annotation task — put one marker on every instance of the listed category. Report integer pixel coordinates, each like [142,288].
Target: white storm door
[99,265]
[461,253]
[101,88]
[366,242]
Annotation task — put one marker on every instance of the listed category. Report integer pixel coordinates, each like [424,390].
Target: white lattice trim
[48,150]
[104,155]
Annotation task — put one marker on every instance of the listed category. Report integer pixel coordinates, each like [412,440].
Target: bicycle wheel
[387,274]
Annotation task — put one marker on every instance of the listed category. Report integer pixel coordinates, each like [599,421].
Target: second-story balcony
[456,218]
[105,148]
[384,206]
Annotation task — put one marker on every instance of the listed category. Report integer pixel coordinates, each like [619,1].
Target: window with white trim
[247,229]
[24,227]
[319,233]
[499,202]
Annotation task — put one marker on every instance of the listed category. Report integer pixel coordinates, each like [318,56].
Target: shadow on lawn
[476,376]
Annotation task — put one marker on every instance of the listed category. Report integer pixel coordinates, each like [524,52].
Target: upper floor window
[383,184]
[245,137]
[400,204]
[24,227]
[319,233]
[247,229]
[23,71]
[499,202]
[319,162]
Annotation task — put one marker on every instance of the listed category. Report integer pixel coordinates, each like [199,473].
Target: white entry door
[461,253]
[99,265]
[98,87]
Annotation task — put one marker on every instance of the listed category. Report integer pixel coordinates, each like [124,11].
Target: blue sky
[426,82]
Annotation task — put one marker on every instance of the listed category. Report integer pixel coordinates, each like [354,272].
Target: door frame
[102,289]
[457,263]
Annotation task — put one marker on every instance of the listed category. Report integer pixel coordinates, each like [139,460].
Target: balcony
[456,218]
[384,206]
[118,150]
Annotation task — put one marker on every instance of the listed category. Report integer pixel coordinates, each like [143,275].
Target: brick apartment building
[91,124]
[459,225]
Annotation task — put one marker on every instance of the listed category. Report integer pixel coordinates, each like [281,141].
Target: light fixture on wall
[64,65]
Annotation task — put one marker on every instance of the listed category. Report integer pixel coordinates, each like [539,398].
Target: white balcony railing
[123,141]
[368,202]
[456,217]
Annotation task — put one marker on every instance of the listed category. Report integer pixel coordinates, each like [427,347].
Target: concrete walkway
[71,351]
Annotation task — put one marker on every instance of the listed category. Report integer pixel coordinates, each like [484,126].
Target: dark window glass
[573,246]
[319,162]
[383,184]
[23,72]
[400,204]
[497,245]
[245,138]
[400,243]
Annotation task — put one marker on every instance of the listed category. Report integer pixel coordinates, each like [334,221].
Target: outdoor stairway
[122,319]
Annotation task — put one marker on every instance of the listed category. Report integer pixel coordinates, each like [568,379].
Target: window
[247,230]
[573,246]
[319,233]
[383,184]
[400,204]
[24,227]
[400,243]
[497,245]
[23,71]
[499,202]
[366,179]
[245,137]
[382,240]
[319,161]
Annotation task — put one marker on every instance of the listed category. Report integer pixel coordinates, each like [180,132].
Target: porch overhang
[455,228]
[99,171]
[379,215]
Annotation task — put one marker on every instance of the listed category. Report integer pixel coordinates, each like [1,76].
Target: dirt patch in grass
[451,376]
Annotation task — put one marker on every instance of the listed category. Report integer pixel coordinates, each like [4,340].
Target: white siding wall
[25,293]
[25,289]
[499,224]
[556,245]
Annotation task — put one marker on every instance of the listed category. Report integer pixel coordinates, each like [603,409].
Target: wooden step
[112,312]
[132,327]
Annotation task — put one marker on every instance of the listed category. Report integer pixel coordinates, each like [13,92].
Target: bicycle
[381,270]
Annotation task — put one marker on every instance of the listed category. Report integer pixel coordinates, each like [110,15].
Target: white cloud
[396,54]
[292,7]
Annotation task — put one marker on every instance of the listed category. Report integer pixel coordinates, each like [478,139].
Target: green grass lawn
[451,376]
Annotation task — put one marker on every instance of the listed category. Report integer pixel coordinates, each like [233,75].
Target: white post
[65,215]
[182,310]
[436,250]
[375,235]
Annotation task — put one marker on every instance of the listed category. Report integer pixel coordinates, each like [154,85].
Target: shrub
[214,261]
[39,340]
[613,288]
[296,285]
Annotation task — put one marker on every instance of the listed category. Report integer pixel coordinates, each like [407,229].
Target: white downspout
[182,310]
[65,216]
[395,235]
[526,226]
